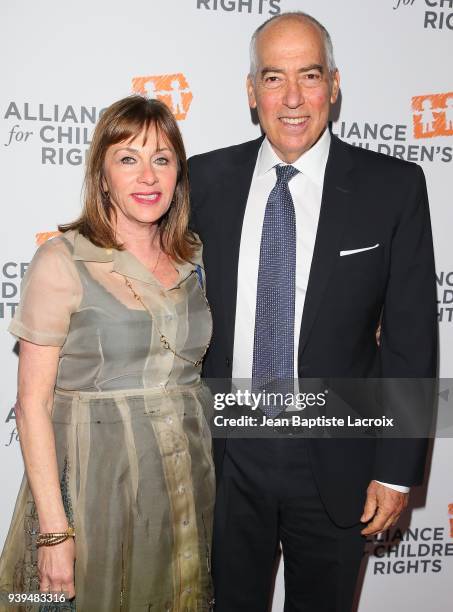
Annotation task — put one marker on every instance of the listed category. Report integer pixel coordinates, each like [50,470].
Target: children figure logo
[171,89]
[433,115]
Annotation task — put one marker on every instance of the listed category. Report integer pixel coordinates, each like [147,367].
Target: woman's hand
[56,568]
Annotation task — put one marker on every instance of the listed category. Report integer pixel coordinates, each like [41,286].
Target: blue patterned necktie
[273,346]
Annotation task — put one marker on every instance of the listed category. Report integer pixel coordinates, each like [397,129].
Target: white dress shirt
[306,190]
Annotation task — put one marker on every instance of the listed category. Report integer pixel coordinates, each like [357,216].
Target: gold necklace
[163,340]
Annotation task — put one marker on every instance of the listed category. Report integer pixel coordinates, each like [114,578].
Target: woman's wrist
[55,525]
[54,538]
[51,516]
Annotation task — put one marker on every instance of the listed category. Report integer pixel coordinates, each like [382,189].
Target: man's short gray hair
[328,46]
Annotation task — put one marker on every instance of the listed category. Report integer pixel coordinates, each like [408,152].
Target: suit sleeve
[409,341]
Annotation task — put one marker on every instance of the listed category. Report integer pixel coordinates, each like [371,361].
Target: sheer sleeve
[50,292]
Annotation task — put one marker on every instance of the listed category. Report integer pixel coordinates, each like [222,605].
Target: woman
[113,325]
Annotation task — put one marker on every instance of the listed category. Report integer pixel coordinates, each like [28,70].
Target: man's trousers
[266,496]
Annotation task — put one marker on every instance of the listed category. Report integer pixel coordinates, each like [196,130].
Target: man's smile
[294,120]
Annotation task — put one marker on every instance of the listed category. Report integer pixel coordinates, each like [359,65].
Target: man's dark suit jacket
[368,199]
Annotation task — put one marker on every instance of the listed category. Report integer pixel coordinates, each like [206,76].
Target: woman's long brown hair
[123,121]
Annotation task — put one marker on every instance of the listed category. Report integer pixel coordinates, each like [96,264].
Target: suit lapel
[234,195]
[334,214]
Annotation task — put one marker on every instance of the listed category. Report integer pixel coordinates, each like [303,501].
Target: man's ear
[251,91]
[335,87]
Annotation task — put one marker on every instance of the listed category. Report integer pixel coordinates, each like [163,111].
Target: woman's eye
[127,159]
[161,161]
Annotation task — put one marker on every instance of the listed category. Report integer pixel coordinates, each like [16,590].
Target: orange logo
[43,237]
[450,512]
[171,89]
[433,115]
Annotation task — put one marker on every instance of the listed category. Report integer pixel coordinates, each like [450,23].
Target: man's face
[292,89]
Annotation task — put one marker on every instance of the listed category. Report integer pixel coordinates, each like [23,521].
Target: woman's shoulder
[60,243]
[56,252]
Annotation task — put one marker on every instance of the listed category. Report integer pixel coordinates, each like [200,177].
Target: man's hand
[384,506]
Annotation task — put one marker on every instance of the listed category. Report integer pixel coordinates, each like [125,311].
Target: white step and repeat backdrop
[62,63]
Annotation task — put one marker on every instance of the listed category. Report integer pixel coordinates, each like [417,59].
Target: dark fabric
[368,199]
[310,495]
[275,499]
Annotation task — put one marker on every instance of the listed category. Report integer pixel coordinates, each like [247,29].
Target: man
[344,234]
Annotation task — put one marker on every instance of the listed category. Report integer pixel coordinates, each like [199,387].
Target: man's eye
[272,81]
[127,159]
[313,76]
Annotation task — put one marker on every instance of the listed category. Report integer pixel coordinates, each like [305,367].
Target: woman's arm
[36,381]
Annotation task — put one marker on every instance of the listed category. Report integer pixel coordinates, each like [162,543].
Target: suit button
[228,362]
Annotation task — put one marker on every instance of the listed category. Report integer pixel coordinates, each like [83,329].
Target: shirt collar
[311,164]
[85,250]
[123,262]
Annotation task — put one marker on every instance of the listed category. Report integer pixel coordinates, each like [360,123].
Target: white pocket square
[354,251]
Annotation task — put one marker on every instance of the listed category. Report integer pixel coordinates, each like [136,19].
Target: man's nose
[294,94]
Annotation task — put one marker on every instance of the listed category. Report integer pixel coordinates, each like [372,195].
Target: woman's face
[140,177]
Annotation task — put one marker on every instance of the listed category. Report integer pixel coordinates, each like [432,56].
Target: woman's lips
[147,198]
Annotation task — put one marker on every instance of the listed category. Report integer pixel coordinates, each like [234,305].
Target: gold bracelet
[52,539]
